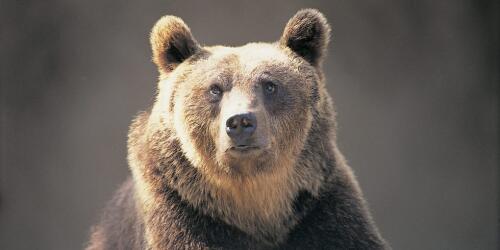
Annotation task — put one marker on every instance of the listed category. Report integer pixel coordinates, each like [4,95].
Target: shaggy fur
[188,192]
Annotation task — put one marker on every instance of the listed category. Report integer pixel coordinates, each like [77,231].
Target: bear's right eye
[215,91]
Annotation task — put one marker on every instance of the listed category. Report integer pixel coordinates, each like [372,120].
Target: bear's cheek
[200,118]
[288,126]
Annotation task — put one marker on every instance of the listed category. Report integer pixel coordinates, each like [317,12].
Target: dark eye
[215,91]
[269,87]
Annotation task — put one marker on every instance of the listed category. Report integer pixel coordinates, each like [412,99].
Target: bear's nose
[241,126]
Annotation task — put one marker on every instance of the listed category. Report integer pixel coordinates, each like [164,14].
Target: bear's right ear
[172,43]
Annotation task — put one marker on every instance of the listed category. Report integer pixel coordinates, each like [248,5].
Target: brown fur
[188,191]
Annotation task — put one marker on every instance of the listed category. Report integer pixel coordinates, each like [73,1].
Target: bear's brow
[229,60]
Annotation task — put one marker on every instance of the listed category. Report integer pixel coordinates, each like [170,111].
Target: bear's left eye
[269,87]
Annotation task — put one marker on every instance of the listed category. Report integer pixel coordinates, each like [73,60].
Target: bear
[238,151]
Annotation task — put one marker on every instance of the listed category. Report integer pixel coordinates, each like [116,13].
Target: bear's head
[239,112]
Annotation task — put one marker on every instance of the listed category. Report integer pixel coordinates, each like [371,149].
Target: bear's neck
[262,206]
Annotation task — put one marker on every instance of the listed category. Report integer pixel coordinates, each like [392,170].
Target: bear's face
[242,108]
[239,111]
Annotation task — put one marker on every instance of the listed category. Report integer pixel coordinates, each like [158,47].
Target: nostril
[246,123]
[249,121]
[231,123]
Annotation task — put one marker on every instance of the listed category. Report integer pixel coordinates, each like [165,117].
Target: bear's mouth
[243,149]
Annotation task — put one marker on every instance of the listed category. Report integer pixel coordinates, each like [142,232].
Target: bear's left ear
[307,34]
[172,43]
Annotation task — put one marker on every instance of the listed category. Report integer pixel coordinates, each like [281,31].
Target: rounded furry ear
[307,34]
[172,43]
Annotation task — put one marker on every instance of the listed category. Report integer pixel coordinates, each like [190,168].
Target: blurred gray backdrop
[415,85]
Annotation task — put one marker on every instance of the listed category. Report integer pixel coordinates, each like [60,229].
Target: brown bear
[238,151]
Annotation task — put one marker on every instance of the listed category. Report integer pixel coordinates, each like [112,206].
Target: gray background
[415,84]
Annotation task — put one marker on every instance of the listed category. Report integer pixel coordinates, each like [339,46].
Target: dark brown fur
[186,193]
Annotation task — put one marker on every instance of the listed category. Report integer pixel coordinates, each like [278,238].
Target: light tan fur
[257,203]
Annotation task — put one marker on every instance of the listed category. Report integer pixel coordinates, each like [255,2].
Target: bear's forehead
[247,58]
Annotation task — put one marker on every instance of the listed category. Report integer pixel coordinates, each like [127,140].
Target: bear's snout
[240,128]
